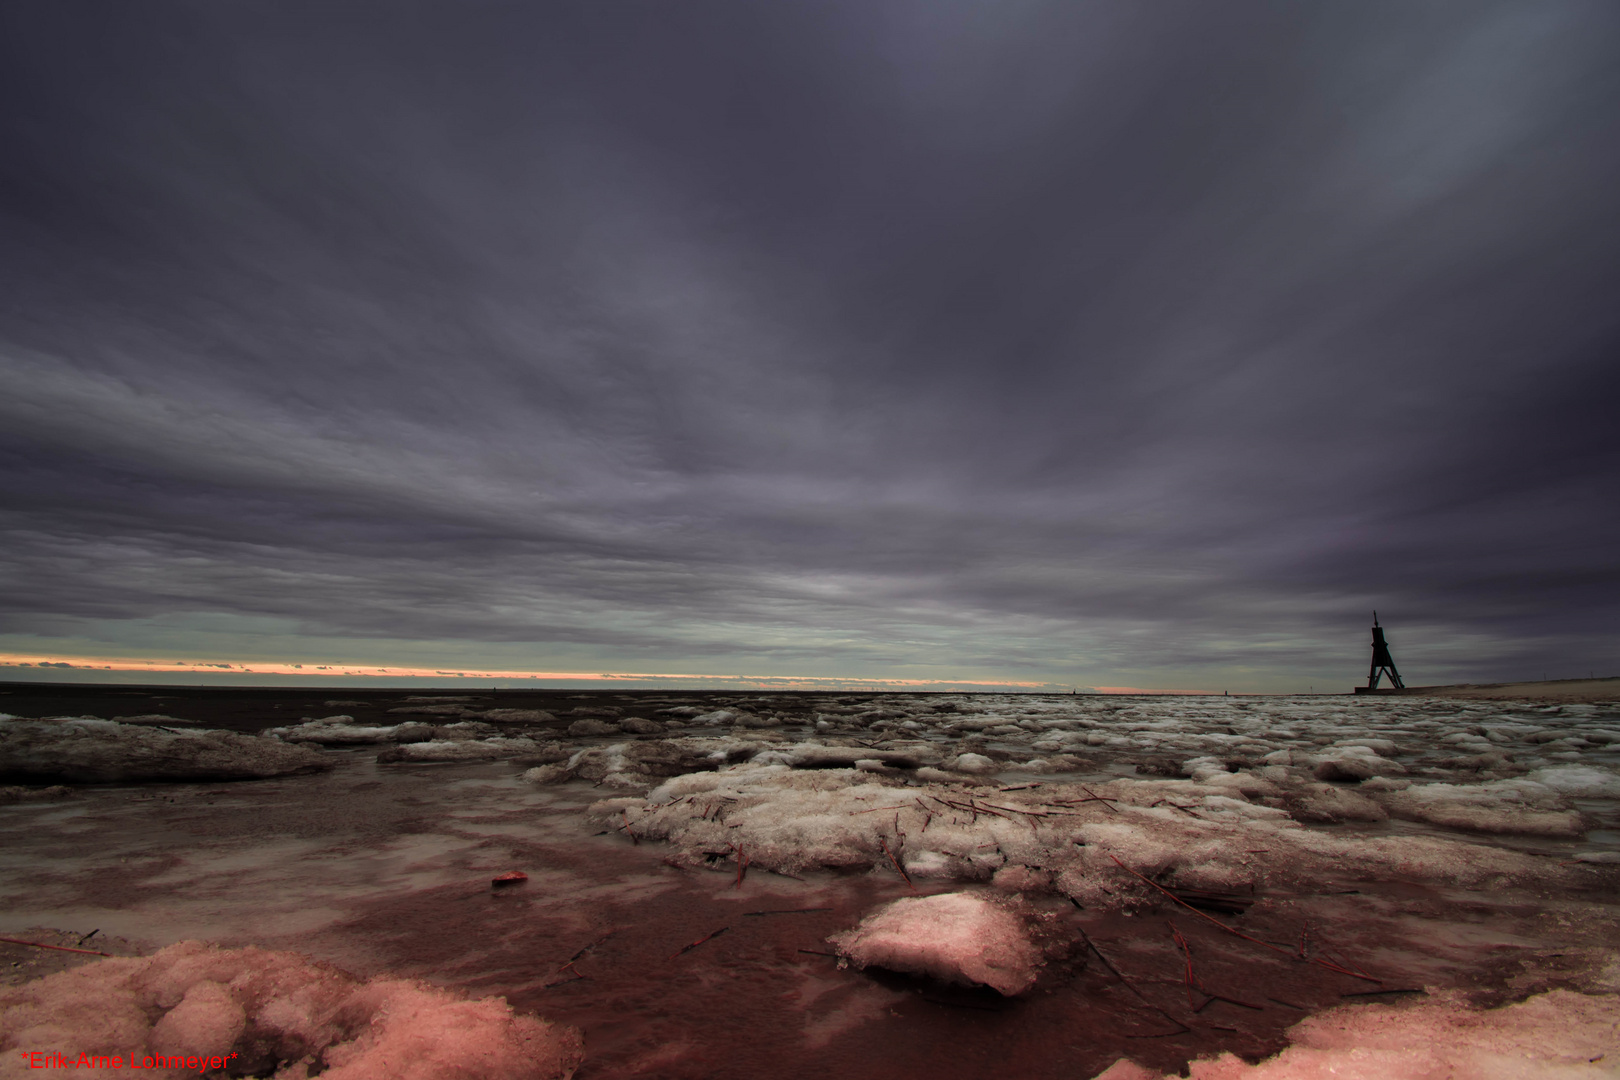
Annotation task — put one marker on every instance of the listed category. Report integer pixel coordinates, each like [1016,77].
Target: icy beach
[740,885]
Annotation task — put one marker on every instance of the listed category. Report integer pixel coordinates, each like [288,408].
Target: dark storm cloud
[1054,339]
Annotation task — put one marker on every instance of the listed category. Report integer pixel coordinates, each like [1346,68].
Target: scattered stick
[1132,988]
[706,937]
[1238,933]
[58,948]
[1099,798]
[817,952]
[634,839]
[1229,1001]
[1289,1004]
[788,911]
[928,815]
[896,863]
[591,946]
[742,865]
[1337,958]
[1019,810]
[568,965]
[88,936]
[972,807]
[1189,977]
[1193,982]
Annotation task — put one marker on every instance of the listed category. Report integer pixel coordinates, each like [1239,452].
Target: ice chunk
[435,710]
[591,726]
[268,1008]
[1584,781]
[206,1023]
[976,764]
[84,750]
[463,750]
[956,937]
[1502,806]
[519,716]
[1558,1034]
[1354,763]
[1325,804]
[332,732]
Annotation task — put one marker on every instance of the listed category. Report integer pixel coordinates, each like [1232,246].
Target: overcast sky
[1108,344]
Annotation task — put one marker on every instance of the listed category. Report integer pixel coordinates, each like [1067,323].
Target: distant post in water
[1381,660]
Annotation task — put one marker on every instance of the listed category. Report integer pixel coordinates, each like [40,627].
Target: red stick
[700,941]
[1190,978]
[59,948]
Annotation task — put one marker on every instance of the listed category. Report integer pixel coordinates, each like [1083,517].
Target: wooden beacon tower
[1381,660]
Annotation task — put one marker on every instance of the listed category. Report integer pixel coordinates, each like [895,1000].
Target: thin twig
[58,948]
[1132,987]
[1190,978]
[591,946]
[788,911]
[1099,798]
[897,865]
[688,948]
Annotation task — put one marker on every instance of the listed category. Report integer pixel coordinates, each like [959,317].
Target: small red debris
[511,877]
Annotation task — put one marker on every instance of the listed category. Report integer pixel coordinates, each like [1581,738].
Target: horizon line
[95,665]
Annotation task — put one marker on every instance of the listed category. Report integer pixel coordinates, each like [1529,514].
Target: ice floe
[1084,838]
[87,750]
[953,937]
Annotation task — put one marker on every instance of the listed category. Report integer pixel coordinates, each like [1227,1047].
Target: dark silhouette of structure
[1381,660]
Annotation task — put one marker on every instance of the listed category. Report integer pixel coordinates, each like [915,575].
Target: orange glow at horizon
[85,663]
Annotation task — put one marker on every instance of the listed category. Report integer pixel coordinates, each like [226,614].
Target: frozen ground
[1411,848]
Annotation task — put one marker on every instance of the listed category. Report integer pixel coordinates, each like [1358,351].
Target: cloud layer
[1083,343]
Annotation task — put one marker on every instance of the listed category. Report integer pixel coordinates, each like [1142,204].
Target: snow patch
[955,937]
[196,1000]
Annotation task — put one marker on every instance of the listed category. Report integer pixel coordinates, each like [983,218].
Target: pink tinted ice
[956,937]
